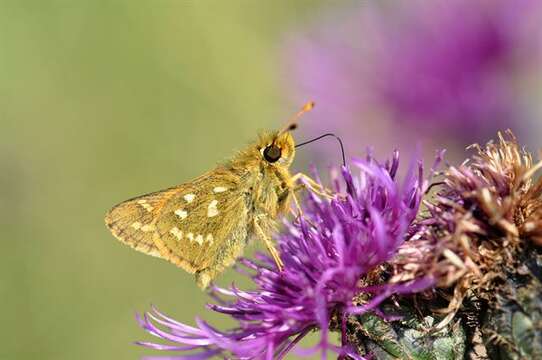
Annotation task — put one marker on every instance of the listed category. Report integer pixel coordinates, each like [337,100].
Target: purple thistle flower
[437,67]
[331,255]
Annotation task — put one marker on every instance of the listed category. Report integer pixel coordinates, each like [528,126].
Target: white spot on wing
[190,237]
[189,198]
[147,228]
[181,213]
[145,205]
[219,189]
[136,225]
[209,238]
[199,239]
[177,233]
[212,210]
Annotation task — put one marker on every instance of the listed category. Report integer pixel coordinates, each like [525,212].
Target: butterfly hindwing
[204,224]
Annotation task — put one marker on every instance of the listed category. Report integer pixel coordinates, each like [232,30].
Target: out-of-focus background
[104,100]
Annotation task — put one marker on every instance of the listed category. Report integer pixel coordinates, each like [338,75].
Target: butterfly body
[202,226]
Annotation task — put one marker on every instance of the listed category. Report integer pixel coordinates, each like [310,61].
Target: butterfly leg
[297,206]
[306,182]
[268,244]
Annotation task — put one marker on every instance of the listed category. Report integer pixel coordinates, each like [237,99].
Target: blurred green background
[101,101]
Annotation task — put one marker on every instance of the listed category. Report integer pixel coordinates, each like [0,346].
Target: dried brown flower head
[485,213]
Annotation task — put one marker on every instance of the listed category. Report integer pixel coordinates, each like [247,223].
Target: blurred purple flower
[328,254]
[440,67]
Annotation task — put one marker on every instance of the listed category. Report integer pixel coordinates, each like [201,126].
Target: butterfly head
[277,149]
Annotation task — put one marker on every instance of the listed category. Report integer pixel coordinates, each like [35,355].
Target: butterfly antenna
[323,136]
[292,122]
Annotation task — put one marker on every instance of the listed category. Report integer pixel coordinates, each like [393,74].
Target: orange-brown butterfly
[203,225]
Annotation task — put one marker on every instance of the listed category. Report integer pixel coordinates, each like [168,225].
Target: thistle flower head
[486,213]
[331,254]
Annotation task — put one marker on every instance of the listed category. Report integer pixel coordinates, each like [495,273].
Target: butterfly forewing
[132,221]
[198,225]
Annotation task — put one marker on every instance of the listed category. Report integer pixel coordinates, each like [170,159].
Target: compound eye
[271,153]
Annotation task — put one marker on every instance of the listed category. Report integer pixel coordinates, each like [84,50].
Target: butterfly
[202,226]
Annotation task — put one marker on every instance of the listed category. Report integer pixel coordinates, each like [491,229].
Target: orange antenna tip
[292,123]
[308,106]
